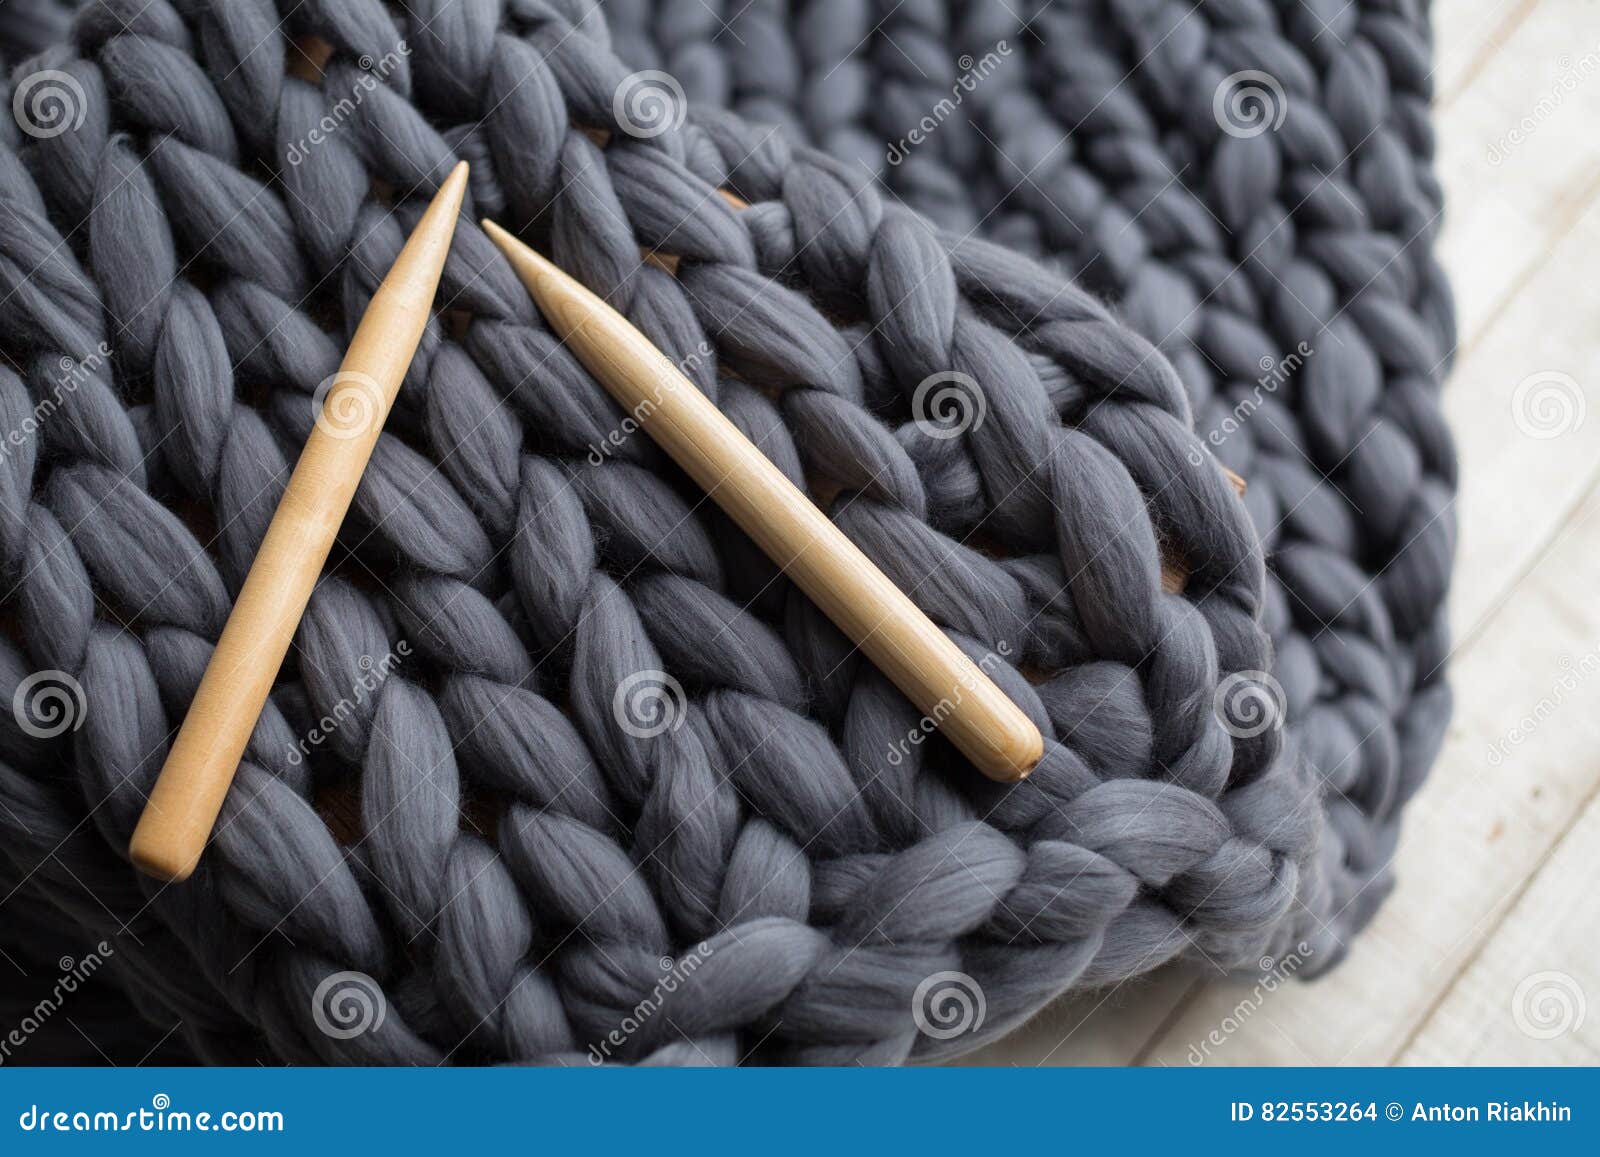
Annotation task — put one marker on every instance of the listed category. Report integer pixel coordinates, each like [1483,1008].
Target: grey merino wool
[561,769]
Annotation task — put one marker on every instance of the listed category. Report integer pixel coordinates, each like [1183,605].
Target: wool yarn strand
[511,873]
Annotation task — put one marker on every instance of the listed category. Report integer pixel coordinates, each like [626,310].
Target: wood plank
[1517,488]
[1510,198]
[1467,35]
[1532,995]
[1475,832]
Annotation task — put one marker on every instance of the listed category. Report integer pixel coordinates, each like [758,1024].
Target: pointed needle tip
[523,257]
[454,189]
[413,279]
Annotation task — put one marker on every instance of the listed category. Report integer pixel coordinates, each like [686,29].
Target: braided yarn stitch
[561,769]
[1287,246]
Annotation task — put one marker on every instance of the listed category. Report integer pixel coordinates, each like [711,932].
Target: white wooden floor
[1486,953]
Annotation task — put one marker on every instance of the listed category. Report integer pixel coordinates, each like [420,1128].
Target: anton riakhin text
[1494,1111]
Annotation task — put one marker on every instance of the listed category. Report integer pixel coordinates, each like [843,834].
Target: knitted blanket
[561,769]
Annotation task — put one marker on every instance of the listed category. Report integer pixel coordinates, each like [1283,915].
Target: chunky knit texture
[480,832]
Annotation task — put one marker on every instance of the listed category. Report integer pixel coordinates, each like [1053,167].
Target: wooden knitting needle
[901,641]
[1174,570]
[188,794]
